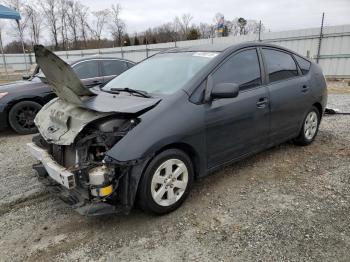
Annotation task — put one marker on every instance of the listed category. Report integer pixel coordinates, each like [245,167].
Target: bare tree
[21,25]
[117,25]
[35,22]
[96,28]
[73,20]
[50,10]
[83,22]
[242,23]
[62,14]
[20,5]
[235,30]
[206,30]
[252,27]
[184,24]
[166,33]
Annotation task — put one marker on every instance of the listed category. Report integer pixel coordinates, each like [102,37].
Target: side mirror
[225,90]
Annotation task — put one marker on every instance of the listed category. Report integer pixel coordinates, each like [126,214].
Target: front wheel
[166,182]
[310,127]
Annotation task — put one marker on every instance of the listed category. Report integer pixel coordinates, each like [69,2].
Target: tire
[21,117]
[310,127]
[166,182]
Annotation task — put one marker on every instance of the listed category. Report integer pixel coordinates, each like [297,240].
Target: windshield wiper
[131,91]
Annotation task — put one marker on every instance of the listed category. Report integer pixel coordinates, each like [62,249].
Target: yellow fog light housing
[105,191]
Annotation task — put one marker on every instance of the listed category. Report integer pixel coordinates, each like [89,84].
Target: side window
[87,69]
[303,64]
[242,69]
[113,67]
[280,65]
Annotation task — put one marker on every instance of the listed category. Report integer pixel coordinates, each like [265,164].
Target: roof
[99,58]
[203,48]
[8,13]
[222,47]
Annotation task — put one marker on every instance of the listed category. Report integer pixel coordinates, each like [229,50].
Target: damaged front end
[75,137]
[82,173]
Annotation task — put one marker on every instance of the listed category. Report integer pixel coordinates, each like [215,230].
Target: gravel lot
[286,204]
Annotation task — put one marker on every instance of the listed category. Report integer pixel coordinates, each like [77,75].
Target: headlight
[3,94]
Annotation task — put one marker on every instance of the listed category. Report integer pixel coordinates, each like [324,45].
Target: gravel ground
[286,204]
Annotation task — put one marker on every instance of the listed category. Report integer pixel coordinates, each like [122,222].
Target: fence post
[260,31]
[320,40]
[30,58]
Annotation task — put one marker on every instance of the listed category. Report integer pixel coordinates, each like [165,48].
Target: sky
[276,15]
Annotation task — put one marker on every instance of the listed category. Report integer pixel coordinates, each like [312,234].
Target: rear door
[112,68]
[289,94]
[240,125]
[89,72]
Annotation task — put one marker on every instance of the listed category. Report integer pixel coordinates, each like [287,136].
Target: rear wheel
[166,182]
[310,127]
[21,117]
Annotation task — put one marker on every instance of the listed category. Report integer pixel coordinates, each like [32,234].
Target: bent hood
[62,119]
[59,121]
[65,83]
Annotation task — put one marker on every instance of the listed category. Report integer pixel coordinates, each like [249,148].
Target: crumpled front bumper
[57,172]
[61,181]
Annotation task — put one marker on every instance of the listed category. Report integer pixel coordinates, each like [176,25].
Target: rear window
[280,65]
[304,65]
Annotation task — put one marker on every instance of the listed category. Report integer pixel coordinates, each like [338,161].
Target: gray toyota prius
[148,134]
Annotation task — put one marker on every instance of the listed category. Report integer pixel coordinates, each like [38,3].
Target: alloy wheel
[169,182]
[310,125]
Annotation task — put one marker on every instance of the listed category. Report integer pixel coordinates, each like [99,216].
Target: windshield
[162,73]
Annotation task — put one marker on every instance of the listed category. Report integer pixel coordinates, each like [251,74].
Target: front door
[240,125]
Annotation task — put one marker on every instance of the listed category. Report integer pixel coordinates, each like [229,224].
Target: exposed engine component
[84,157]
[100,179]
[111,125]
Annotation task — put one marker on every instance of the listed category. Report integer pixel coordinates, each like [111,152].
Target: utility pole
[320,40]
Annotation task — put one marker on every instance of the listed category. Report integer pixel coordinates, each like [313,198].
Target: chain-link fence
[333,54]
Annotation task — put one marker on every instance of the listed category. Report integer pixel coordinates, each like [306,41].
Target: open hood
[63,118]
[65,83]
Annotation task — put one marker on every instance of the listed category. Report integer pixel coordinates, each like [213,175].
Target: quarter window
[87,69]
[280,65]
[113,67]
[303,64]
[242,69]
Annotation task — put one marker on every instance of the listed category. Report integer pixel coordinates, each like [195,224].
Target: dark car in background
[20,101]
[177,116]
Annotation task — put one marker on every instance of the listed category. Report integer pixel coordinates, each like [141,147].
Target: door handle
[305,88]
[262,102]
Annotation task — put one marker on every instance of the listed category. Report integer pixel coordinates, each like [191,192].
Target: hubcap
[169,182]
[25,116]
[310,125]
